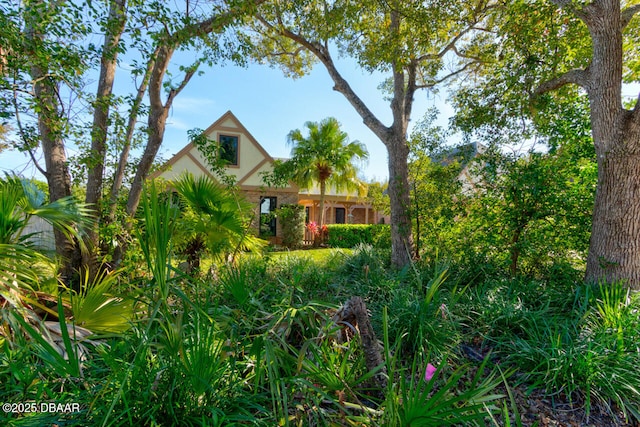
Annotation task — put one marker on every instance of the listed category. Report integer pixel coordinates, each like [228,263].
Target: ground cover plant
[259,342]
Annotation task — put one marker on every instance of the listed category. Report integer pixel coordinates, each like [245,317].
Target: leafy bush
[350,235]
[292,220]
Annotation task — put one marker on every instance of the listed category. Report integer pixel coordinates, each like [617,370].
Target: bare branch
[628,14]
[24,137]
[449,46]
[465,56]
[449,76]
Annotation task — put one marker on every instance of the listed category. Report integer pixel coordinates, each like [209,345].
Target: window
[229,149]
[307,214]
[267,216]
[340,215]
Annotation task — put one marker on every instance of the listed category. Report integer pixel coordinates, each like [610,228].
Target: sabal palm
[217,216]
[20,200]
[22,266]
[325,157]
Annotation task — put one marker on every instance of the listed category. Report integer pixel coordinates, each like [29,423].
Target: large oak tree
[544,50]
[417,44]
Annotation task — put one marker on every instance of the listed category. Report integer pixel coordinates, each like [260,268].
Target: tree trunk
[124,155]
[50,128]
[514,249]
[614,250]
[401,237]
[58,177]
[323,189]
[102,104]
[354,314]
[615,234]
[156,123]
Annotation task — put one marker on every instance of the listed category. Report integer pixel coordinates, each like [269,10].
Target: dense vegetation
[258,342]
[162,309]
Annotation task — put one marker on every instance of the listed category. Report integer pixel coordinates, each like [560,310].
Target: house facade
[247,160]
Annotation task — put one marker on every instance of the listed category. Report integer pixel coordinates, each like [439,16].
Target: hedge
[350,235]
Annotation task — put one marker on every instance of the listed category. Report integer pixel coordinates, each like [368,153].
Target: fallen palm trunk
[354,315]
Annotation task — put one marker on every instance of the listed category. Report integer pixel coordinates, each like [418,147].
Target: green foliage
[214,219]
[571,343]
[292,219]
[24,270]
[437,197]
[377,195]
[156,238]
[413,399]
[351,235]
[421,311]
[531,211]
[98,308]
[21,199]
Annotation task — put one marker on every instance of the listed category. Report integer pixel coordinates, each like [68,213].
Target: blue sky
[270,105]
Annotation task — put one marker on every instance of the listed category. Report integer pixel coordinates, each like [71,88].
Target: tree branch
[579,77]
[584,14]
[24,137]
[449,46]
[175,91]
[219,21]
[321,52]
[628,14]
[448,76]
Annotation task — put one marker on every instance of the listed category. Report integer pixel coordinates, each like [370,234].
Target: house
[247,161]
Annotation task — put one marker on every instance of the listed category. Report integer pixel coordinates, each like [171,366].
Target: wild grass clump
[577,342]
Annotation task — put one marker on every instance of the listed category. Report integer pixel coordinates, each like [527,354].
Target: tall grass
[585,351]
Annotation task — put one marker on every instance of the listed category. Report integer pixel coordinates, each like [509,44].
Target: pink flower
[428,373]
[313,227]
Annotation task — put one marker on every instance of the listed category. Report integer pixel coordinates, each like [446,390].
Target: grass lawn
[321,255]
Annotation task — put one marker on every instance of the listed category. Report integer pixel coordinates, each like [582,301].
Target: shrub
[350,235]
[292,220]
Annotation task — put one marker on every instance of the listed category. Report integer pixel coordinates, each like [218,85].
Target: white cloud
[190,105]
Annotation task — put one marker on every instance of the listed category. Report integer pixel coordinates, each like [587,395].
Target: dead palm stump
[355,316]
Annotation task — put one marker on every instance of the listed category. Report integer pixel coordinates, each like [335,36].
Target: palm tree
[20,200]
[214,220]
[325,157]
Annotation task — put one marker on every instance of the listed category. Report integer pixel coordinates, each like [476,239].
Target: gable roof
[253,159]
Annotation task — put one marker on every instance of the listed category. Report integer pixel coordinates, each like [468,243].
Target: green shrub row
[350,235]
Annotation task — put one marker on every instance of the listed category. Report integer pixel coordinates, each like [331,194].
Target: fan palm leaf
[216,214]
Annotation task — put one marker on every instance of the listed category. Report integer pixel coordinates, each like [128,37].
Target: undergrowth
[254,343]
